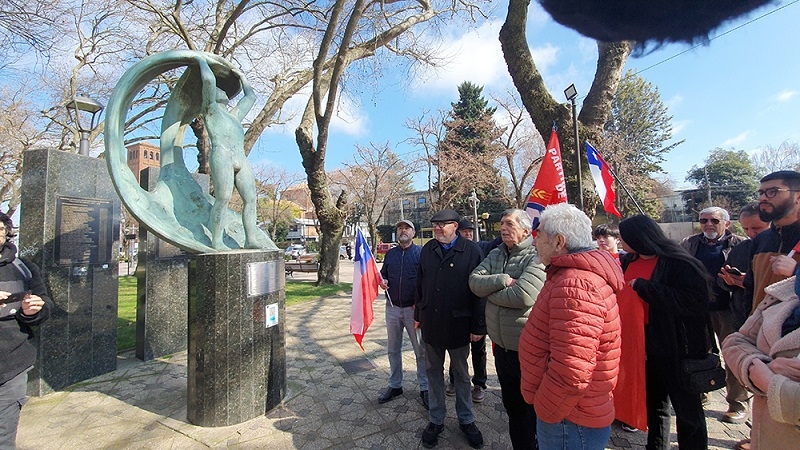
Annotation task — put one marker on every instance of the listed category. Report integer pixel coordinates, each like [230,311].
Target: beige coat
[776,413]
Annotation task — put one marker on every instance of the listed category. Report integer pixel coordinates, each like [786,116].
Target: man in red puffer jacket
[570,347]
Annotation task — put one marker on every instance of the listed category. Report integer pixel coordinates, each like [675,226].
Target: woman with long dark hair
[675,288]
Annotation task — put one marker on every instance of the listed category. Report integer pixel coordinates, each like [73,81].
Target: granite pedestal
[69,227]
[236,356]
[162,281]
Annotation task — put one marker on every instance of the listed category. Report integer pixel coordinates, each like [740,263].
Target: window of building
[144,154]
[151,155]
[156,156]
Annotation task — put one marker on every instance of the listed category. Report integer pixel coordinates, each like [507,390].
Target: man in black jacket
[712,247]
[399,280]
[450,317]
[23,303]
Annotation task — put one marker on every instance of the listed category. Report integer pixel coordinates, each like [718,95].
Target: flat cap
[407,222]
[465,225]
[446,215]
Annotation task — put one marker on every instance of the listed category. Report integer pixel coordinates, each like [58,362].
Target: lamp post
[474,202]
[82,103]
[571,93]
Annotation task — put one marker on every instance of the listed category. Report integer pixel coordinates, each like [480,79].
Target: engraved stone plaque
[84,231]
[264,278]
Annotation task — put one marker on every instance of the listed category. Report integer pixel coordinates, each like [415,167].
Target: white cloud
[785,95]
[674,102]
[736,140]
[679,125]
[347,119]
[474,56]
[545,57]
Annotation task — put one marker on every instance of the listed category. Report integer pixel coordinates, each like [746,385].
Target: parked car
[295,250]
[384,247]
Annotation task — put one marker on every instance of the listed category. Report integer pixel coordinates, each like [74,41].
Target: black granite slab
[236,360]
[79,341]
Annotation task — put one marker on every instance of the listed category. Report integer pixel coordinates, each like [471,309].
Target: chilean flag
[366,280]
[549,187]
[603,180]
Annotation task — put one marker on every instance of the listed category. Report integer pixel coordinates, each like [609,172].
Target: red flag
[366,280]
[603,180]
[549,187]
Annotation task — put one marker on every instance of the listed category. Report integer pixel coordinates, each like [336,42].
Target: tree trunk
[330,215]
[545,110]
[203,145]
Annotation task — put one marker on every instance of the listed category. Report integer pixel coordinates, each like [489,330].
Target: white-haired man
[712,247]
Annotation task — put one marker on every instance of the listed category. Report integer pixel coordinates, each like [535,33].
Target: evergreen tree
[465,157]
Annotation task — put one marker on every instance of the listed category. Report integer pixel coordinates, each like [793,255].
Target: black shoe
[389,394]
[474,436]
[424,395]
[430,437]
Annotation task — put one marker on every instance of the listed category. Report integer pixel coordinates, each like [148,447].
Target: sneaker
[424,395]
[628,428]
[390,394]
[430,437]
[477,394]
[735,417]
[474,436]
[450,390]
[705,399]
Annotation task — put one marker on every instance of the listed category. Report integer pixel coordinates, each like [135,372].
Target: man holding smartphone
[23,303]
[712,247]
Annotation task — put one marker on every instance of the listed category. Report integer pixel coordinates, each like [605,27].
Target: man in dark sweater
[711,247]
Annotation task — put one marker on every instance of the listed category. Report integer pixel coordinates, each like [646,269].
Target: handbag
[703,375]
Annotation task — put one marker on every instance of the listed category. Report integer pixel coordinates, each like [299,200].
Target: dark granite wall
[236,364]
[79,341]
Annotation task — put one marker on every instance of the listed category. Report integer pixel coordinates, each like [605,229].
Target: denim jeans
[478,351]
[566,435]
[398,319]
[521,416]
[435,367]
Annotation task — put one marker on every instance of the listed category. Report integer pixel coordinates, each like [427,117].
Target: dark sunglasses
[705,221]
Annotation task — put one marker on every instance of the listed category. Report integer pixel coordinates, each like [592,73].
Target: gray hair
[716,210]
[572,223]
[522,218]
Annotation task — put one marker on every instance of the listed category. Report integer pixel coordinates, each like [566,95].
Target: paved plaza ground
[331,400]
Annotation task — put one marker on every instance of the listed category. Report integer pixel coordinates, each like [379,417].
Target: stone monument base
[237,352]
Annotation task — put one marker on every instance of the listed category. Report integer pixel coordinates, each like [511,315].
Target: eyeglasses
[442,224]
[705,221]
[772,192]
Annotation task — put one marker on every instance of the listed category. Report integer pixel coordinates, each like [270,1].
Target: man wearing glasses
[450,317]
[778,198]
[712,247]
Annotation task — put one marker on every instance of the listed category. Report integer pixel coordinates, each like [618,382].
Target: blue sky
[741,91]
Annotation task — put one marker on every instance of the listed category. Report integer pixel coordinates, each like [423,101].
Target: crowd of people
[584,332]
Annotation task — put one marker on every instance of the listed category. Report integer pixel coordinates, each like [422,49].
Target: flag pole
[625,189]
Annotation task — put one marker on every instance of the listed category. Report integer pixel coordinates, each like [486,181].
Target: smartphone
[13,303]
[734,271]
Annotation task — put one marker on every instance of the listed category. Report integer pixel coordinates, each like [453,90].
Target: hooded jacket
[15,330]
[776,413]
[570,347]
[507,307]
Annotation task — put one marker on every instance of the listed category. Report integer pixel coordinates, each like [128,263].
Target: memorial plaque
[84,231]
[264,278]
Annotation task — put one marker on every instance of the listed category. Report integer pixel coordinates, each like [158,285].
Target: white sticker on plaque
[271,315]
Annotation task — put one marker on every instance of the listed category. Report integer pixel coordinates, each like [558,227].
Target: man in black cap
[466,230]
[399,280]
[450,317]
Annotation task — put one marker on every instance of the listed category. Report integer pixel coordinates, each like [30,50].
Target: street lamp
[82,103]
[474,202]
[571,93]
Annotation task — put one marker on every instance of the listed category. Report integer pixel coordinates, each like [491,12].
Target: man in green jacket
[510,278]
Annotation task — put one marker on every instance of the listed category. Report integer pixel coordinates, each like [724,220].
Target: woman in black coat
[677,295]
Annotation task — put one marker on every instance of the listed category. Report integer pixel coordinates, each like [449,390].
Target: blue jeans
[435,367]
[398,319]
[566,435]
